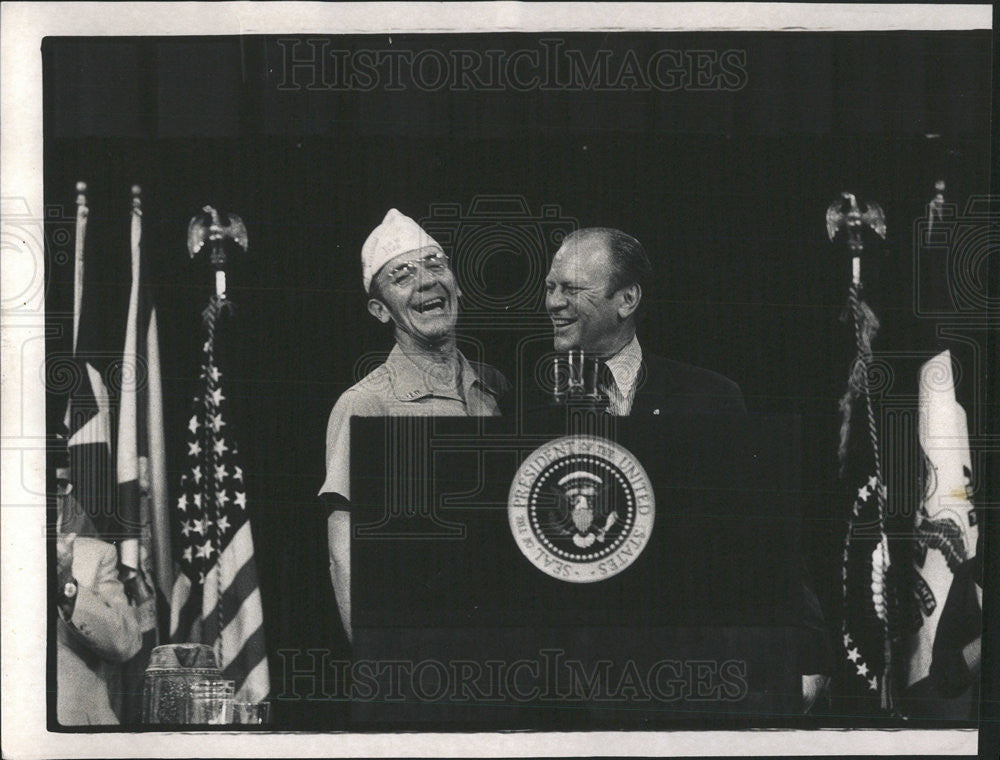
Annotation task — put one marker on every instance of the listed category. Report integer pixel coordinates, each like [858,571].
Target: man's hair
[627,260]
[375,290]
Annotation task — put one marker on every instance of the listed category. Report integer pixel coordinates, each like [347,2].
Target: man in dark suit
[593,294]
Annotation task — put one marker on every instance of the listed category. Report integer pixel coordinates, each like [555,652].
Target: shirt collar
[626,364]
[413,377]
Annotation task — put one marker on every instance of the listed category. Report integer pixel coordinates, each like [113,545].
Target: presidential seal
[581,508]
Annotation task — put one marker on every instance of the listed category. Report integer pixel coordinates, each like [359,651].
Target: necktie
[606,382]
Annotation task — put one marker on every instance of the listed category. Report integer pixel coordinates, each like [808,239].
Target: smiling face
[584,315]
[424,306]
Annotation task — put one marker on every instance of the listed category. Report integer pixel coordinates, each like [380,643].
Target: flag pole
[63,472]
[63,468]
[844,218]
[128,416]
[82,212]
[81,231]
[208,227]
[216,600]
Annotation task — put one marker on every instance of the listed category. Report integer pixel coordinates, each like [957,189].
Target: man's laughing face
[418,292]
[584,314]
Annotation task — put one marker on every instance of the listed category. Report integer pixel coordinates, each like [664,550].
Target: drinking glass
[251,713]
[211,703]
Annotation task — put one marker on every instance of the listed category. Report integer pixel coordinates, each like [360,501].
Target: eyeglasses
[405,273]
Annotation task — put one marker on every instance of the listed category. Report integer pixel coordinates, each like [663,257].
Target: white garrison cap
[397,234]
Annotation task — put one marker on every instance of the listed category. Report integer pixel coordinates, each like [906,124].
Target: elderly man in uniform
[593,293]
[410,283]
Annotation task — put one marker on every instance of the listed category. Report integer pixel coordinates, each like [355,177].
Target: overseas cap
[397,234]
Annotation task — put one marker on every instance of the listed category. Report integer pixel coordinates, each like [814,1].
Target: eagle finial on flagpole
[215,228]
[845,215]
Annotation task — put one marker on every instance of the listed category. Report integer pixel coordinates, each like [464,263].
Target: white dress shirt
[625,367]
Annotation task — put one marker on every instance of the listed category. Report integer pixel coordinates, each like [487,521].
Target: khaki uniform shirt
[406,386]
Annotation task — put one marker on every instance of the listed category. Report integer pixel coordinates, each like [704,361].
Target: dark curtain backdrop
[727,189]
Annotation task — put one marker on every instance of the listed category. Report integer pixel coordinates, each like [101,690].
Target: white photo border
[22,517]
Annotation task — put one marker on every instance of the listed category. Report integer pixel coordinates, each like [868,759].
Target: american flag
[867,594]
[216,598]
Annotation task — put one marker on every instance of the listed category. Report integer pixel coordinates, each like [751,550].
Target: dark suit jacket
[671,387]
[666,387]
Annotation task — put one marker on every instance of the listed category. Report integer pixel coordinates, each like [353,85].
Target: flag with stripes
[216,599]
[93,363]
[144,552]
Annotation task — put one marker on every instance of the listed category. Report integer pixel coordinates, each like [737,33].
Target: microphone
[576,375]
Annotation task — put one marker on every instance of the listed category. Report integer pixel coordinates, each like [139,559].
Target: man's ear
[379,310]
[629,301]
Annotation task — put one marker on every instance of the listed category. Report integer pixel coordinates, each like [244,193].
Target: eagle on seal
[578,505]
